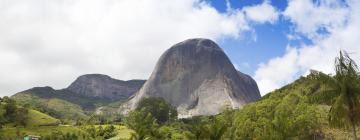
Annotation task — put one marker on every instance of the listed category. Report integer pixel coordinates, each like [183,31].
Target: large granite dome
[197,78]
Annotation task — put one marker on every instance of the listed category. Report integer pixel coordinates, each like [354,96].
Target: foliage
[291,117]
[143,123]
[148,115]
[12,113]
[100,132]
[60,136]
[43,131]
[158,108]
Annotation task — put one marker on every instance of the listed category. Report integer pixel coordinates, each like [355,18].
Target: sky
[51,43]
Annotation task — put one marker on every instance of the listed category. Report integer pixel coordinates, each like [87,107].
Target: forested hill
[294,111]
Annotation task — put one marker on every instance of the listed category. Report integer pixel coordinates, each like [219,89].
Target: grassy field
[60,108]
[123,133]
[13,133]
[36,118]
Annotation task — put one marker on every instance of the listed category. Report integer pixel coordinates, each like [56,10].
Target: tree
[216,129]
[110,131]
[344,90]
[158,108]
[10,107]
[143,123]
[20,116]
[13,113]
[197,126]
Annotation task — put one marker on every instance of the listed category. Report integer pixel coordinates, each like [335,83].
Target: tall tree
[344,90]
[161,110]
[216,129]
[143,123]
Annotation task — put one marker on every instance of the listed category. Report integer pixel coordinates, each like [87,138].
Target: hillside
[33,118]
[60,104]
[48,93]
[292,111]
[36,118]
[87,95]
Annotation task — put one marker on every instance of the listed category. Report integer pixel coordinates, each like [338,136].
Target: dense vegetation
[11,113]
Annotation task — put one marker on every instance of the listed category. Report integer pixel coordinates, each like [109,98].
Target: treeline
[267,120]
[154,119]
[91,133]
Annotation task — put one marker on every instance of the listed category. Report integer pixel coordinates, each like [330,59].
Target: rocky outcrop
[197,78]
[103,86]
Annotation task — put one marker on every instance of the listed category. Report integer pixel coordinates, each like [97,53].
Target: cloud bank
[53,42]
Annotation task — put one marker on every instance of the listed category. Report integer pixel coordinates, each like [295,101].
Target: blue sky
[303,37]
[271,39]
[51,43]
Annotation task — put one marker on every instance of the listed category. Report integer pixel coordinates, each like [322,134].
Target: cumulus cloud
[262,13]
[312,18]
[53,42]
[278,71]
[340,19]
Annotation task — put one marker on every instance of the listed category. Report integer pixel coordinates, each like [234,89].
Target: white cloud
[310,17]
[53,42]
[343,34]
[262,13]
[278,71]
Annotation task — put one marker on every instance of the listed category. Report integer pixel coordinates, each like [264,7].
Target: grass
[57,107]
[36,118]
[123,133]
[14,133]
[331,132]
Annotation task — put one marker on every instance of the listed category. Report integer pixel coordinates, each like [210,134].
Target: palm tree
[343,90]
[140,135]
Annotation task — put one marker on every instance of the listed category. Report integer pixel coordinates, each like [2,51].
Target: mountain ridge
[66,104]
[103,86]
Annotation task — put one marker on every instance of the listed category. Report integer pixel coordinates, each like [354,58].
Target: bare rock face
[103,86]
[197,78]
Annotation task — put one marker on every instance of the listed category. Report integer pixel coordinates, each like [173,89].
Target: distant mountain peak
[103,86]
